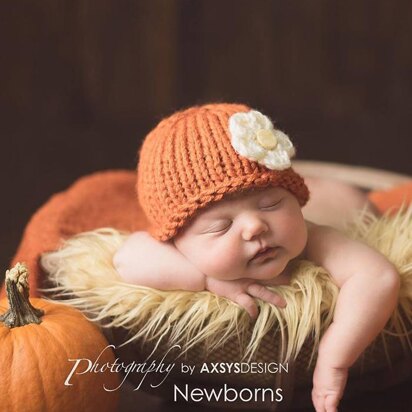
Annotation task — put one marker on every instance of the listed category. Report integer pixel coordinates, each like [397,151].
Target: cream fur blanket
[84,277]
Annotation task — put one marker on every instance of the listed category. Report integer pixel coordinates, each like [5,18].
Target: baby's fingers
[325,403]
[331,403]
[261,292]
[243,299]
[318,402]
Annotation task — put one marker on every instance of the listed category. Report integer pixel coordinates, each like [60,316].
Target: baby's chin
[267,270]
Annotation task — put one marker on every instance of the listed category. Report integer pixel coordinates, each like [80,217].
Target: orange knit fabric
[188,161]
[102,199]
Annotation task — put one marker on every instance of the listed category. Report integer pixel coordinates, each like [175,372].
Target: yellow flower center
[267,139]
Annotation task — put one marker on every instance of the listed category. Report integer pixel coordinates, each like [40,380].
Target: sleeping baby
[224,207]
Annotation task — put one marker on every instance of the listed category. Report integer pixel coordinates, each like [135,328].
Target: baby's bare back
[334,203]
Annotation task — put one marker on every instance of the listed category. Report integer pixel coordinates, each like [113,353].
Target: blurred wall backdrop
[83,81]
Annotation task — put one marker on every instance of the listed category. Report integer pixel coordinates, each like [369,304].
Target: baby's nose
[253,226]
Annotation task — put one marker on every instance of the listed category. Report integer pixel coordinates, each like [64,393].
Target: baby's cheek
[222,261]
[296,233]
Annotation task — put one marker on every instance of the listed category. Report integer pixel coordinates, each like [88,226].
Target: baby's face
[222,240]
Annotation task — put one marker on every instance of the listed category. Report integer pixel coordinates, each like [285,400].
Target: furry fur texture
[84,277]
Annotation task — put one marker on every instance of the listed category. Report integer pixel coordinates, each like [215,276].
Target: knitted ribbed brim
[188,161]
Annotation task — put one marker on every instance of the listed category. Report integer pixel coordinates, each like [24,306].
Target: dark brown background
[82,82]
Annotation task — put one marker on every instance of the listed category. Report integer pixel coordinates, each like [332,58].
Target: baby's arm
[369,287]
[144,261]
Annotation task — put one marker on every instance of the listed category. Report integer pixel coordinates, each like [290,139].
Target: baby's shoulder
[319,231]
[324,240]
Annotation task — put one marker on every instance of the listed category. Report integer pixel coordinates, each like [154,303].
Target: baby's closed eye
[219,226]
[271,204]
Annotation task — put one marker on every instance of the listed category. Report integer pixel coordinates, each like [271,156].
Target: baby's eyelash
[272,205]
[222,229]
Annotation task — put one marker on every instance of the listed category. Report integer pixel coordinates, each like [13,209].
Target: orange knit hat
[201,154]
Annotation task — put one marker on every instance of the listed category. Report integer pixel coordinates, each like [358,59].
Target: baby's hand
[328,386]
[243,292]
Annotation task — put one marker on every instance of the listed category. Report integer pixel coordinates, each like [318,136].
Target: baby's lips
[263,253]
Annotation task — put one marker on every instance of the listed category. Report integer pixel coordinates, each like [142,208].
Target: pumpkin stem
[21,311]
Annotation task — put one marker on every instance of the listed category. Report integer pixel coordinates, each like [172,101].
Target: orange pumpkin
[37,341]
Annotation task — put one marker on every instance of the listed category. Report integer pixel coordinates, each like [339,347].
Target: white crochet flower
[254,137]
